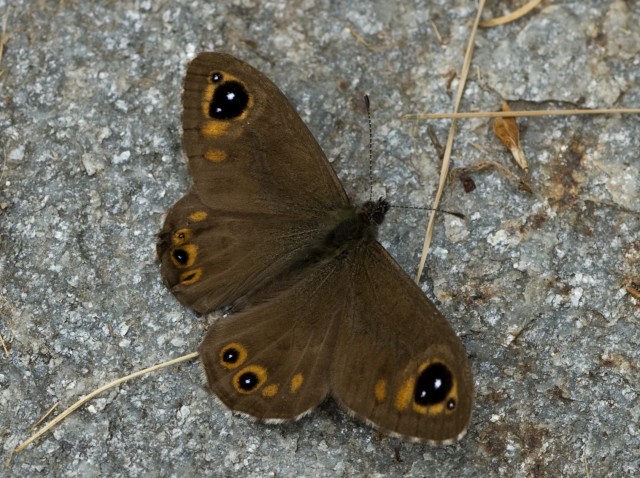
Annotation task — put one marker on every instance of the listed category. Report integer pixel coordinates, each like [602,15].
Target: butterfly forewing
[262,187]
[248,149]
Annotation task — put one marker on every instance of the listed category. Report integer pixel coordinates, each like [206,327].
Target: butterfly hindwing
[212,258]
[270,359]
[398,364]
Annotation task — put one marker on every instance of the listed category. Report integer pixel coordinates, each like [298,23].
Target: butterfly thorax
[353,226]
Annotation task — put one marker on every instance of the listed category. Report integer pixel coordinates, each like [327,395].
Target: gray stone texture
[538,284]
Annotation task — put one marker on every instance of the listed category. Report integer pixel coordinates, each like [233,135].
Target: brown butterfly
[317,307]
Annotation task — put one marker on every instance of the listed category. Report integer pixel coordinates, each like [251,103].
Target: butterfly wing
[356,328]
[397,363]
[212,258]
[248,150]
[262,186]
[305,322]
[270,360]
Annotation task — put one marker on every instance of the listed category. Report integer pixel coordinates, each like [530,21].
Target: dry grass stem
[492,165]
[4,36]
[369,46]
[520,12]
[43,417]
[97,392]
[447,153]
[514,114]
[4,347]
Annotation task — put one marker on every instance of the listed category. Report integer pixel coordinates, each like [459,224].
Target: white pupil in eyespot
[437,384]
[231,96]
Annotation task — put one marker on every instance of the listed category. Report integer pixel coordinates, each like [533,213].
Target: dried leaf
[633,290]
[467,183]
[506,129]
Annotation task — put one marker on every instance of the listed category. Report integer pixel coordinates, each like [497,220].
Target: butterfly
[316,306]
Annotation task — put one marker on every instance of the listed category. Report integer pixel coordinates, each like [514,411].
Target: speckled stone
[536,283]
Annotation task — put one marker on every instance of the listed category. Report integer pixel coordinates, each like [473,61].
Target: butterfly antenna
[457,214]
[367,105]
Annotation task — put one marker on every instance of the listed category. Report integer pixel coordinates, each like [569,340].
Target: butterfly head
[375,211]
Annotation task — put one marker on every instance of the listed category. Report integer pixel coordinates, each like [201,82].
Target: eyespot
[232,355]
[181,236]
[184,256]
[433,385]
[249,379]
[230,100]
[181,256]
[189,277]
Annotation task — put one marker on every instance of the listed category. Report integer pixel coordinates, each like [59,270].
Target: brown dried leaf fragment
[633,289]
[467,183]
[491,165]
[506,129]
